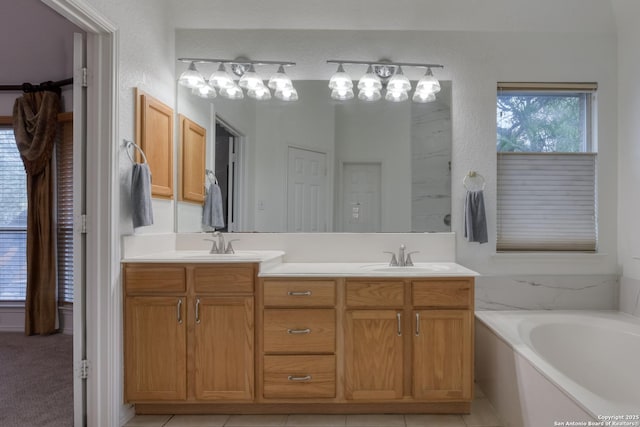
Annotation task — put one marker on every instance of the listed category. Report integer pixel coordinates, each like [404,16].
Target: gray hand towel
[141,195]
[475,220]
[212,214]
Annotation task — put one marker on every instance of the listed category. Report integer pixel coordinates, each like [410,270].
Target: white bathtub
[540,368]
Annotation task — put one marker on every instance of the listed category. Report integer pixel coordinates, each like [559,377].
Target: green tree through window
[541,123]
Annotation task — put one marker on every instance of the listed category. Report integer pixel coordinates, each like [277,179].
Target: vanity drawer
[299,330]
[443,293]
[224,278]
[154,278]
[299,293]
[375,293]
[299,377]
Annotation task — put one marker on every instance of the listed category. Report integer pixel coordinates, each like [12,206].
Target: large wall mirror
[318,165]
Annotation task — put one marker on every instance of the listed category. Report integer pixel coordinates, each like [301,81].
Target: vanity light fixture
[383,75]
[249,79]
[204,91]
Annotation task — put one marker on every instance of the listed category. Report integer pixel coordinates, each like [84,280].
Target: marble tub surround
[547,292]
[630,296]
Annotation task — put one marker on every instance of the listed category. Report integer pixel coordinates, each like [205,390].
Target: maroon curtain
[35,124]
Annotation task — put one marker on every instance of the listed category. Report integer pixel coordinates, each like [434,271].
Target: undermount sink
[416,268]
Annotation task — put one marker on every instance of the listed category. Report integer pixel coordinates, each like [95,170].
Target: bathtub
[554,368]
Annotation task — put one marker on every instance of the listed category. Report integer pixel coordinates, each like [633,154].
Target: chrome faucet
[402,260]
[218,247]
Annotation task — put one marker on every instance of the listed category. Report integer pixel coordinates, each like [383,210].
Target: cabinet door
[223,352]
[373,354]
[155,349]
[442,355]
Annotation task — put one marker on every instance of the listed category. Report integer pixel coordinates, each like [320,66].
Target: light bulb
[370,80]
[399,82]
[221,78]
[342,94]
[423,96]
[250,79]
[396,95]
[428,83]
[205,91]
[232,92]
[287,94]
[369,94]
[191,77]
[279,79]
[260,93]
[340,79]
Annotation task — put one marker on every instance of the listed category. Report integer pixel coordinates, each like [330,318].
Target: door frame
[103,292]
[238,201]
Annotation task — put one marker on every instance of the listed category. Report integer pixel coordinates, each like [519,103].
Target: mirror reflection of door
[226,171]
[361,183]
[306,191]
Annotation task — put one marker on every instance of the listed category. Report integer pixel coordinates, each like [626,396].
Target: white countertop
[355,269]
[206,257]
[271,264]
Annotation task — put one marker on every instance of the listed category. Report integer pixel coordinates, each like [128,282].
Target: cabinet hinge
[83,223]
[84,369]
[84,77]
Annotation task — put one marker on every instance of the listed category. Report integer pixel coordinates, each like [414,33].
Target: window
[13,217]
[13,220]
[546,168]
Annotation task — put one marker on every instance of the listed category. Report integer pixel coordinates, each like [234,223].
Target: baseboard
[12,319]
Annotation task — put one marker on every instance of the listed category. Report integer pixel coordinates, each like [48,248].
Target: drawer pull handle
[417,324]
[198,310]
[299,294]
[298,331]
[180,311]
[399,320]
[294,378]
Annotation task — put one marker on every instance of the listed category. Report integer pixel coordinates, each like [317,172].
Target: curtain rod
[28,87]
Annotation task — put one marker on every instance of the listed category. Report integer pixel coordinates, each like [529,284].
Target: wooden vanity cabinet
[189,332]
[409,339]
[298,335]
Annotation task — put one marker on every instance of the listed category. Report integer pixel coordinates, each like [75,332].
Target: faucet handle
[214,247]
[409,262]
[229,249]
[394,260]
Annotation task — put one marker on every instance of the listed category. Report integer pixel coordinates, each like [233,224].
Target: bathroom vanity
[249,333]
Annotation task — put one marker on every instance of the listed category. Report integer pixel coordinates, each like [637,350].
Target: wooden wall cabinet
[188,332]
[193,142]
[154,135]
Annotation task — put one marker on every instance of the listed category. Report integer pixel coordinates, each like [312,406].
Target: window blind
[64,208]
[13,220]
[546,202]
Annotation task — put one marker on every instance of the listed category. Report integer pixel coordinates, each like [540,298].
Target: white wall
[37,46]
[146,52]
[627,13]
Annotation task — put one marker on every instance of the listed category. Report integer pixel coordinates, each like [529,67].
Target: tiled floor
[482,415]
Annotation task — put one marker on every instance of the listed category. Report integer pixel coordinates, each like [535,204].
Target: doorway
[306,191]
[361,188]
[227,171]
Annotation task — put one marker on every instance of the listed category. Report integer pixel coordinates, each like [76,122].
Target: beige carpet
[36,380]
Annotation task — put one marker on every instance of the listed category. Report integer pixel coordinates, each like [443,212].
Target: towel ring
[473,181]
[129,144]
[211,176]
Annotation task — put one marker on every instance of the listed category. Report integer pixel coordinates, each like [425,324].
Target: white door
[306,191]
[79,239]
[361,197]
